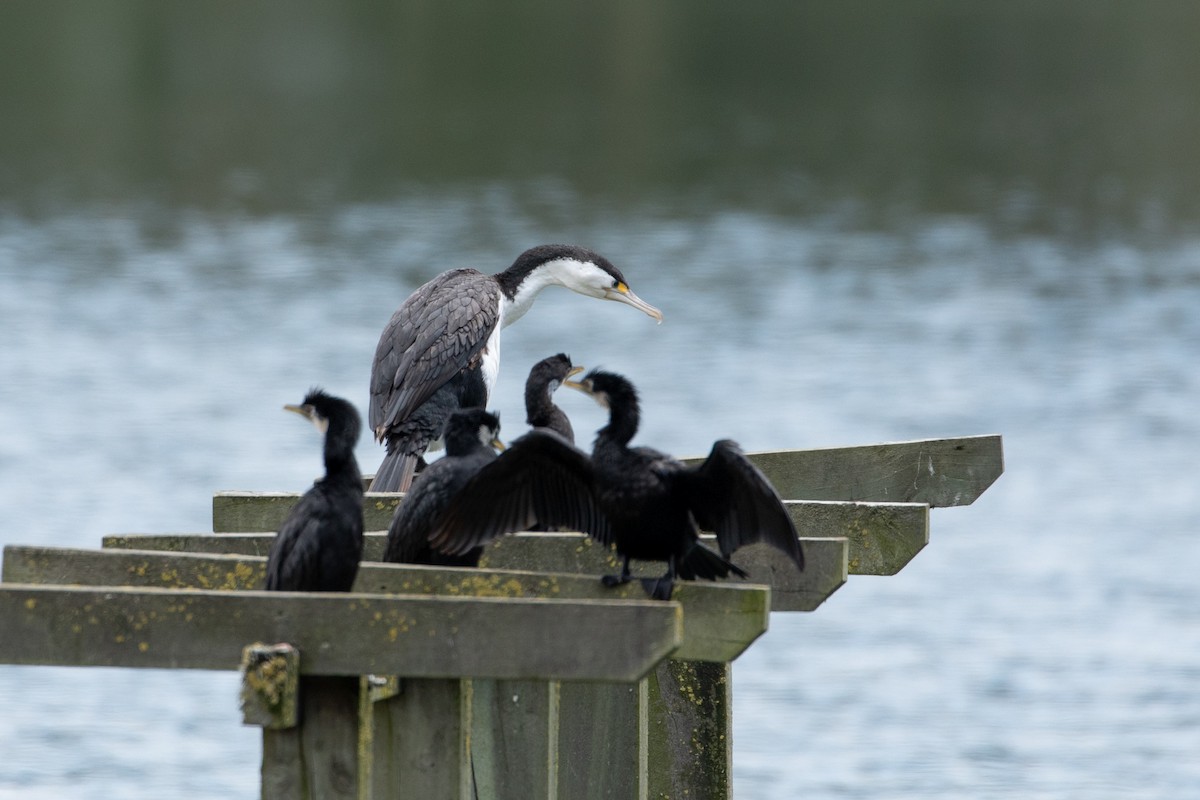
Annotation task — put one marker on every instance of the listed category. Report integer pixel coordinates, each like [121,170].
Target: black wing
[438,330]
[294,560]
[430,495]
[732,498]
[540,478]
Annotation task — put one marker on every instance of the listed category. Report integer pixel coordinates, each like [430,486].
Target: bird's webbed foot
[612,581]
[659,588]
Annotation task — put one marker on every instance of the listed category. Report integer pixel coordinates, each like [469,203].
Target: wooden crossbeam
[338,634]
[937,472]
[719,620]
[884,537]
[791,590]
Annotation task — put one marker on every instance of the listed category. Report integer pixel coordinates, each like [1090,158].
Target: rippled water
[1045,645]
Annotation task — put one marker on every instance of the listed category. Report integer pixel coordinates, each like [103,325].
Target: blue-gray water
[1046,643]
[863,221]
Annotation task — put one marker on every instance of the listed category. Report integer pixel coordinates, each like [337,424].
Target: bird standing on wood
[544,379]
[470,435]
[646,504]
[441,349]
[320,543]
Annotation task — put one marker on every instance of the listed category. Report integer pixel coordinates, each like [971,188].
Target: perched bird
[470,436]
[320,543]
[544,379]
[646,504]
[441,349]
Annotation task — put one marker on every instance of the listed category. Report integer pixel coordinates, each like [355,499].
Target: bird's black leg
[661,588]
[617,580]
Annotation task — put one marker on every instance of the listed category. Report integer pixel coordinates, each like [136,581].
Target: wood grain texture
[883,537]
[338,634]
[720,620]
[937,472]
[791,590]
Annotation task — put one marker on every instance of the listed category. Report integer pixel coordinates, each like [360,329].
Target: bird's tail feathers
[700,562]
[395,474]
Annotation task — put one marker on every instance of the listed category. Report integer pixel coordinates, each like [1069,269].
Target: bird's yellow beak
[623,294]
[571,373]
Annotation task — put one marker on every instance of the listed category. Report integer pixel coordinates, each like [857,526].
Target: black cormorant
[645,503]
[320,543]
[470,435]
[441,349]
[544,379]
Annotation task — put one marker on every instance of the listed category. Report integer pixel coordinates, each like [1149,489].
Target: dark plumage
[319,545]
[441,349]
[470,435]
[645,503]
[545,377]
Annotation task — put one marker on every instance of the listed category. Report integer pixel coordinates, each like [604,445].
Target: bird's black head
[609,389]
[550,373]
[468,428]
[574,267]
[331,415]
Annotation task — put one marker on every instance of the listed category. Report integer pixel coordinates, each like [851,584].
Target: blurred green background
[1071,117]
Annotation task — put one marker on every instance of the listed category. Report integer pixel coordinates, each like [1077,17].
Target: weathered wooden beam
[603,746]
[514,738]
[691,729]
[720,620]
[937,472]
[338,634]
[791,590]
[319,759]
[884,537]
[262,512]
[270,696]
[420,739]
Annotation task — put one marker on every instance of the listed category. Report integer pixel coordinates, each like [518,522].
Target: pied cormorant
[441,349]
[646,504]
[544,379]
[470,435]
[320,543]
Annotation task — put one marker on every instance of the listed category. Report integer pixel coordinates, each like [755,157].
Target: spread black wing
[540,478]
[732,498]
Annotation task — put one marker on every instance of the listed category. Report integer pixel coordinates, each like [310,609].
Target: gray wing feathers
[434,334]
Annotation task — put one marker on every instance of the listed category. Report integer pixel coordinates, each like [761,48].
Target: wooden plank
[825,571]
[603,741]
[318,759]
[514,738]
[338,634]
[270,696]
[420,742]
[938,472]
[691,730]
[884,537]
[262,512]
[720,620]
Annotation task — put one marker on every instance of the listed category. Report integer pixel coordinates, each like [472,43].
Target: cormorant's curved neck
[340,464]
[519,288]
[623,418]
